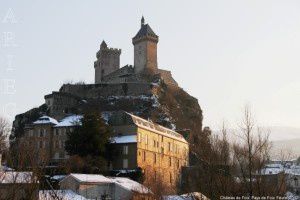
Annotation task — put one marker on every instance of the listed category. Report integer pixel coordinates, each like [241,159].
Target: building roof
[45,120]
[124,139]
[72,120]
[145,30]
[140,122]
[90,178]
[16,177]
[130,185]
[121,181]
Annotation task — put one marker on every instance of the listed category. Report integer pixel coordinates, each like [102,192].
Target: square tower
[108,61]
[145,48]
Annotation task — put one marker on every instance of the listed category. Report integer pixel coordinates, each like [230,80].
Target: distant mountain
[291,147]
[286,139]
[279,133]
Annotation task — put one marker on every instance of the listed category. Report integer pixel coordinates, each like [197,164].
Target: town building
[160,152]
[140,144]
[46,138]
[95,186]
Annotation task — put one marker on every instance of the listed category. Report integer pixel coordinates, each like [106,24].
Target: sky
[225,53]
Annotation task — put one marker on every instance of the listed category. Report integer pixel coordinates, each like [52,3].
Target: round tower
[108,61]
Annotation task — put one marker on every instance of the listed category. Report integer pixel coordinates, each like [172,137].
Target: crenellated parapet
[108,61]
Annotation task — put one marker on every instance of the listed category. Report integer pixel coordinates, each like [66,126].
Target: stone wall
[121,75]
[60,103]
[166,76]
[93,91]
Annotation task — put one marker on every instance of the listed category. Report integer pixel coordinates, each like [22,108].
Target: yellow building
[160,152]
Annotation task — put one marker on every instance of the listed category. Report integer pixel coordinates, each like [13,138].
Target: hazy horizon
[226,54]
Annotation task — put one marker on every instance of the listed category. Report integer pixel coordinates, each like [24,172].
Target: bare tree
[251,154]
[4,130]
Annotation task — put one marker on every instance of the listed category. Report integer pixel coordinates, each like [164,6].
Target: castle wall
[59,104]
[167,78]
[121,75]
[109,89]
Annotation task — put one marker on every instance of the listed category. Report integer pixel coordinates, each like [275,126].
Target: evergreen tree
[90,138]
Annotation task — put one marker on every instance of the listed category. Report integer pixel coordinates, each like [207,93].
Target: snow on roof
[124,139]
[122,181]
[267,170]
[91,178]
[59,194]
[72,120]
[130,184]
[140,122]
[274,165]
[58,177]
[45,120]
[16,177]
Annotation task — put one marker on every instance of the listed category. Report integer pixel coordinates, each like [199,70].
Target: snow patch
[124,139]
[45,120]
[72,120]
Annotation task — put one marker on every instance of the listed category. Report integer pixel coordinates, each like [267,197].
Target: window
[144,156]
[125,163]
[61,155]
[41,144]
[154,157]
[154,143]
[139,137]
[56,144]
[296,182]
[169,146]
[125,150]
[170,177]
[56,155]
[41,133]
[57,132]
[170,161]
[146,139]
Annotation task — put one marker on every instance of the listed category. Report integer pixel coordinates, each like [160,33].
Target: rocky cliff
[153,99]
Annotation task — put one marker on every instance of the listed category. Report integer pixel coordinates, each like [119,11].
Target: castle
[111,80]
[107,65]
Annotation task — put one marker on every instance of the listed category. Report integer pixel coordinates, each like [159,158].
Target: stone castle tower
[145,48]
[108,61]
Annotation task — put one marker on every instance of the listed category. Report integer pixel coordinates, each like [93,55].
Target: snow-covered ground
[59,194]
